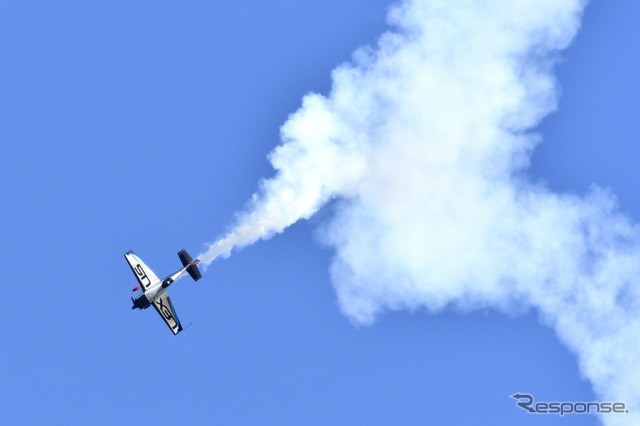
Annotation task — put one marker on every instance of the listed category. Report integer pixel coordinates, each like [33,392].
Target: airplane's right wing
[145,276]
[165,309]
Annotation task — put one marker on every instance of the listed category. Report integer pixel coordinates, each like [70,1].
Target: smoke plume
[424,142]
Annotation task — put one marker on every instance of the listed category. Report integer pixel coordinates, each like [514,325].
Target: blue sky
[146,125]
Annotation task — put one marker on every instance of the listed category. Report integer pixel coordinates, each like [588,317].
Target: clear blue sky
[145,125]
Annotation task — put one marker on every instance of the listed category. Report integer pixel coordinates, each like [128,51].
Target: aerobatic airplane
[154,290]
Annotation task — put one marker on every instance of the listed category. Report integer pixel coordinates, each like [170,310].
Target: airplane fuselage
[147,297]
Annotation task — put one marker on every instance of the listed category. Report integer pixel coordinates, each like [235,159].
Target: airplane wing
[145,276]
[165,309]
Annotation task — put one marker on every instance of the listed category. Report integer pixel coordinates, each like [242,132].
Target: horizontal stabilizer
[184,257]
[192,266]
[194,272]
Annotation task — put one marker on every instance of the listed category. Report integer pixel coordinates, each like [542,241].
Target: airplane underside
[154,290]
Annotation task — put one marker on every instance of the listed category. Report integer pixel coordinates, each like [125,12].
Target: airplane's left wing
[165,309]
[145,276]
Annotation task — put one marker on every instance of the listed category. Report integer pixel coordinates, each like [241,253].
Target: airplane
[154,290]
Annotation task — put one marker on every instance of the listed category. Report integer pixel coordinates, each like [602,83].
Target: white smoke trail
[423,141]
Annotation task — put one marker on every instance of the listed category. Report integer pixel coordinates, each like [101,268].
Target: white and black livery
[154,290]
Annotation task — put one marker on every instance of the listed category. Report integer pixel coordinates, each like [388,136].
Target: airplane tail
[192,267]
